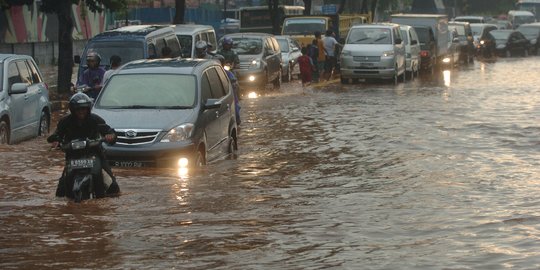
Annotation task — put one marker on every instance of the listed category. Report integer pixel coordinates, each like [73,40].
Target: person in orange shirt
[322,54]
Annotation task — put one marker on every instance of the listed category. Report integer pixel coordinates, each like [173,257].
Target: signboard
[329,9]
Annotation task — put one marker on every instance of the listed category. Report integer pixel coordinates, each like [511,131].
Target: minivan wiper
[174,107]
[138,107]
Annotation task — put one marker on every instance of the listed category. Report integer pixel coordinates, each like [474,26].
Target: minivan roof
[189,29]
[134,30]
[375,25]
[5,56]
[166,65]
[249,35]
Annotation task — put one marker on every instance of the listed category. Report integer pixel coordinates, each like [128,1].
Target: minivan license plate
[81,163]
[128,164]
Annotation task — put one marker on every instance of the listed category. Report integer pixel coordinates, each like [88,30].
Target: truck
[432,30]
[303,28]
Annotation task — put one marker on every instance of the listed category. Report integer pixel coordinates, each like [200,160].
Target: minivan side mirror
[19,88]
[414,42]
[212,103]
[77,59]
[398,40]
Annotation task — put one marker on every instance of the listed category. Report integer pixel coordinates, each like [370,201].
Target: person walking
[321,55]
[306,67]
[313,53]
[330,45]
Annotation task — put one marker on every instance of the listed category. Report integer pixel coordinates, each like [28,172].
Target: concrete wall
[44,53]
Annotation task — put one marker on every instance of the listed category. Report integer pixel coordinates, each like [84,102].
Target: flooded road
[441,174]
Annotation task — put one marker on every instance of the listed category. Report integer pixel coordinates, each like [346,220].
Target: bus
[530,5]
[257,19]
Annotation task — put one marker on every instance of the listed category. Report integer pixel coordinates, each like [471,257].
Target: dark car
[24,99]
[260,60]
[510,43]
[465,36]
[428,54]
[169,112]
[531,31]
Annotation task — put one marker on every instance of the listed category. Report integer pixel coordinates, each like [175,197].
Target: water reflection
[447,77]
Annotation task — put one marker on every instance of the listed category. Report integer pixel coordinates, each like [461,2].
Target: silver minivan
[373,51]
[189,34]
[412,50]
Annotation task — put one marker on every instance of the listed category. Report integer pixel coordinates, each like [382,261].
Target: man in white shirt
[330,44]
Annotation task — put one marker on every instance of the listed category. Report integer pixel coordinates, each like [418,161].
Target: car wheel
[200,158]
[233,146]
[4,132]
[277,82]
[43,124]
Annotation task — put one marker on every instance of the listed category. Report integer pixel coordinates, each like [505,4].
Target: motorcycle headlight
[255,63]
[179,133]
[388,54]
[482,42]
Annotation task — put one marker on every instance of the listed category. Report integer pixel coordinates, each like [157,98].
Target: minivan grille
[367,58]
[245,65]
[136,136]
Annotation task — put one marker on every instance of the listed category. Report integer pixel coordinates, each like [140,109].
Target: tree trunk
[273,7]
[307,6]
[364,8]
[180,8]
[65,47]
[373,9]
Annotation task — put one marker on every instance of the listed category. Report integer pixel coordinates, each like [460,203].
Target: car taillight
[424,53]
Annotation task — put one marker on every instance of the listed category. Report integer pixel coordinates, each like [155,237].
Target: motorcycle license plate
[81,163]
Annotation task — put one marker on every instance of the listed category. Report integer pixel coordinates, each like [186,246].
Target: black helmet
[93,56]
[80,100]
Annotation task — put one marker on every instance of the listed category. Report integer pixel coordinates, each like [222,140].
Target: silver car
[25,109]
[373,51]
[290,51]
[169,113]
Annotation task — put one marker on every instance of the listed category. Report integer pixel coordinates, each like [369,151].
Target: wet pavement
[430,174]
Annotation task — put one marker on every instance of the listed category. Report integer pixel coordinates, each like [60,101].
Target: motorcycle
[83,163]
[228,67]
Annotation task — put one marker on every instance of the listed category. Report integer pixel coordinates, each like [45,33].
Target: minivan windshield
[247,46]
[185,44]
[149,91]
[127,50]
[369,36]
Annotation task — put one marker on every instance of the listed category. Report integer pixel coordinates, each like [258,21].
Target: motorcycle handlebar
[80,145]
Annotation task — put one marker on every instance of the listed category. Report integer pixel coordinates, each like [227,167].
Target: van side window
[151,51]
[35,74]
[160,44]
[224,79]
[212,40]
[204,37]
[215,84]
[206,92]
[174,45]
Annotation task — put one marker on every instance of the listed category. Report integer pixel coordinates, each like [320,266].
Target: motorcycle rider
[230,55]
[93,75]
[82,124]
[201,50]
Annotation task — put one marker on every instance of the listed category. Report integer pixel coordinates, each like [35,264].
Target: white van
[189,34]
[412,50]
[519,17]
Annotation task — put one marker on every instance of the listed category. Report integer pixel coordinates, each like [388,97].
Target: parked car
[465,36]
[169,112]
[189,34]
[373,51]
[483,42]
[470,19]
[531,31]
[25,110]
[412,50]
[454,50]
[290,51]
[260,60]
[510,43]
[130,43]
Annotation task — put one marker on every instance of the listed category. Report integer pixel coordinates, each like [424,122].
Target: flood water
[430,174]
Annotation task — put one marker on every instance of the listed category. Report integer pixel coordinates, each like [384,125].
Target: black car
[465,36]
[510,43]
[428,45]
[531,31]
[483,41]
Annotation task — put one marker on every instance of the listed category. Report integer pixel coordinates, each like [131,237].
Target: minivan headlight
[255,63]
[346,53]
[388,54]
[179,133]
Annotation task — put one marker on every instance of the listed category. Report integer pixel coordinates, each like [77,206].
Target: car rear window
[149,91]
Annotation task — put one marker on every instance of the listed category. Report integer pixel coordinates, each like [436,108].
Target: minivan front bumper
[383,69]
[149,155]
